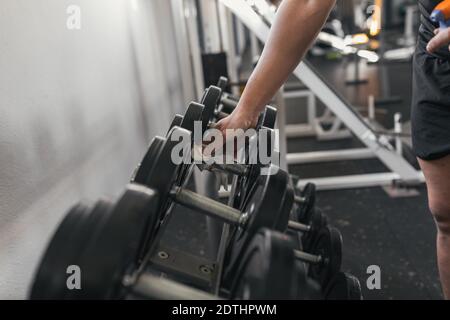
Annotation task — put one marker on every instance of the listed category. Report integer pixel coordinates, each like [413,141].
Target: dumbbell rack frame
[377,146]
[188,269]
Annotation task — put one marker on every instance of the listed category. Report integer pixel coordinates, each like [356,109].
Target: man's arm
[296,26]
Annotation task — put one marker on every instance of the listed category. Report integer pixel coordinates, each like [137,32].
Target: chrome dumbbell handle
[208,206]
[296,226]
[153,287]
[307,257]
[221,115]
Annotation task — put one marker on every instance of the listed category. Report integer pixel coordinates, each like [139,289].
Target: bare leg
[437,175]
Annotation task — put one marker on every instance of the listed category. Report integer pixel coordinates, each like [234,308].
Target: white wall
[77,109]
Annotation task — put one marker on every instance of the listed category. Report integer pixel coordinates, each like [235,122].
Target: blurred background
[77,108]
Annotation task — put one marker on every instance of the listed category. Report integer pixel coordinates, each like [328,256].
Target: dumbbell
[241,170]
[280,279]
[441,14]
[157,288]
[162,175]
[323,243]
[323,258]
[269,270]
[307,237]
[103,242]
[196,112]
[261,210]
[306,201]
[228,102]
[222,83]
[199,112]
[190,199]
[213,110]
[158,171]
[325,255]
[315,219]
[204,112]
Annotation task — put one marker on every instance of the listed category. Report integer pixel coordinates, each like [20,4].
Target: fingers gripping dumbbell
[213,110]
[262,209]
[196,113]
[159,172]
[227,103]
[222,83]
[103,241]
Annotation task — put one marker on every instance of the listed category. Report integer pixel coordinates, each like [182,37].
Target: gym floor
[396,234]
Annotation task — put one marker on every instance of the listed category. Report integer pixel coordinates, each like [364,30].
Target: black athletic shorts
[430,117]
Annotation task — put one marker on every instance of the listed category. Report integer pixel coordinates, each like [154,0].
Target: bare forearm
[297,24]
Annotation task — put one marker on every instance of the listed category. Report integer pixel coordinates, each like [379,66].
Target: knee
[441,214]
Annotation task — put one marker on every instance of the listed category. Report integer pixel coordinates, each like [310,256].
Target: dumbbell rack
[195,271]
[118,244]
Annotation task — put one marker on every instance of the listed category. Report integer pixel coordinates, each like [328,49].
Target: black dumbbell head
[267,270]
[328,245]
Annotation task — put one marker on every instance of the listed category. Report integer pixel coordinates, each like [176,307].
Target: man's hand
[239,119]
[441,39]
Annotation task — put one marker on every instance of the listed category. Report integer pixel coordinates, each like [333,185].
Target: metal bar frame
[329,156]
[353,181]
